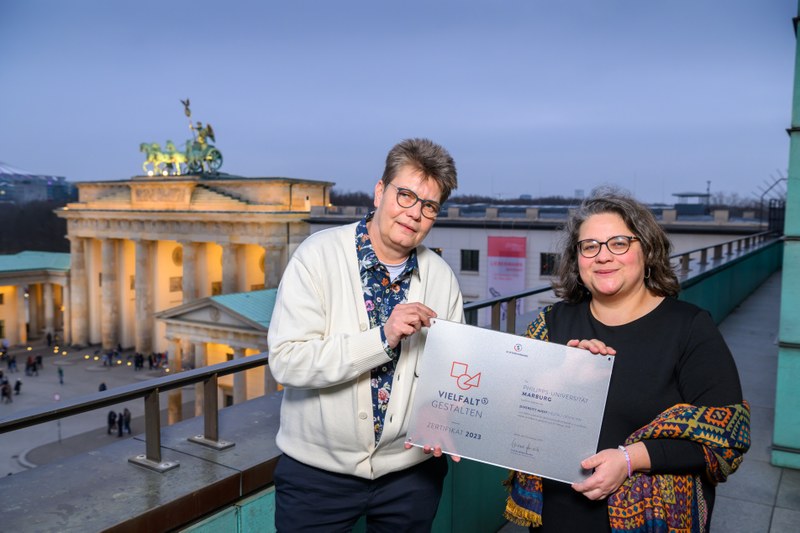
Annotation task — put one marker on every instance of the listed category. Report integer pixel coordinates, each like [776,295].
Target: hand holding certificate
[510,401]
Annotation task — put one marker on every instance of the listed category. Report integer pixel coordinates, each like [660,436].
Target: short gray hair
[429,158]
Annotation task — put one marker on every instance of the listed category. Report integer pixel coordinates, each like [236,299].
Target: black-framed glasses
[407,198]
[617,245]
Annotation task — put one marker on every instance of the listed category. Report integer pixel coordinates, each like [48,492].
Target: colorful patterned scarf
[658,502]
[675,503]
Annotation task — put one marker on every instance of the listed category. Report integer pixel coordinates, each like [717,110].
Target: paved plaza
[83,374]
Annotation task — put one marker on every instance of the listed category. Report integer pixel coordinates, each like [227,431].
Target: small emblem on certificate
[509,401]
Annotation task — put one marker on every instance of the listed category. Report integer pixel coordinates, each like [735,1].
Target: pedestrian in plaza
[5,393]
[49,339]
[12,363]
[39,363]
[112,421]
[345,340]
[17,386]
[120,423]
[126,417]
[30,367]
[61,375]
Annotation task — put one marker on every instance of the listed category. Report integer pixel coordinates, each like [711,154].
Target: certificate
[509,401]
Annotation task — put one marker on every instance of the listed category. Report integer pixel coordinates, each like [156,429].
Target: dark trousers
[309,499]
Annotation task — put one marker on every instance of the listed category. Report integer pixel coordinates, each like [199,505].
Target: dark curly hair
[660,278]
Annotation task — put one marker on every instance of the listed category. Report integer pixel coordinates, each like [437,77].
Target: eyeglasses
[616,245]
[407,198]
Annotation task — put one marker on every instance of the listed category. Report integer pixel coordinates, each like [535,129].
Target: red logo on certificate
[460,371]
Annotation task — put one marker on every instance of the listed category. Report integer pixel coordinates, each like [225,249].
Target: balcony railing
[149,390]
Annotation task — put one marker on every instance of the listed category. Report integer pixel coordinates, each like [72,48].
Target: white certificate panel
[509,401]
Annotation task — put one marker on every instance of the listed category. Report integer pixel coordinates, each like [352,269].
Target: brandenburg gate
[150,243]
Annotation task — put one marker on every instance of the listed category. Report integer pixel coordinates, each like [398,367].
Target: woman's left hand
[593,345]
[610,471]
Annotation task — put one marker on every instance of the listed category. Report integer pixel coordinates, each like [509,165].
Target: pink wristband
[624,451]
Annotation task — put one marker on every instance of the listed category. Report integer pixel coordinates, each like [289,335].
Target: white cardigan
[321,349]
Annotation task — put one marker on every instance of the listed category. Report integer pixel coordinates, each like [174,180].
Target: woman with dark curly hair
[675,423]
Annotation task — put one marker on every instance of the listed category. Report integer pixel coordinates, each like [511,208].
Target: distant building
[20,187]
[33,287]
[692,203]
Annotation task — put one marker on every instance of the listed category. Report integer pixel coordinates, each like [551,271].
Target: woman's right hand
[593,345]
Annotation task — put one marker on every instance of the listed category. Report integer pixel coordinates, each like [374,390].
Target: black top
[674,354]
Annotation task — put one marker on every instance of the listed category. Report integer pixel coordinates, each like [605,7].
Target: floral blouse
[380,297]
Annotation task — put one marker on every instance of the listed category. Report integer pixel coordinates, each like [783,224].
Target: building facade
[33,291]
[143,245]
[221,328]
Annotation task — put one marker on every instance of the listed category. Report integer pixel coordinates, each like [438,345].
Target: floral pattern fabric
[381,295]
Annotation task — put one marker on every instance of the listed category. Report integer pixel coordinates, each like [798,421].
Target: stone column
[22,317]
[239,380]
[189,287]
[34,309]
[143,293]
[66,317]
[40,304]
[230,268]
[273,265]
[189,271]
[78,301]
[187,354]
[175,398]
[203,287]
[48,308]
[109,293]
[199,362]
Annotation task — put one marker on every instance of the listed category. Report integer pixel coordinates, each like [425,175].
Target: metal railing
[719,251]
[149,390]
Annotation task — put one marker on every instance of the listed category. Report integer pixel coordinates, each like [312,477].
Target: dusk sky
[529,96]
